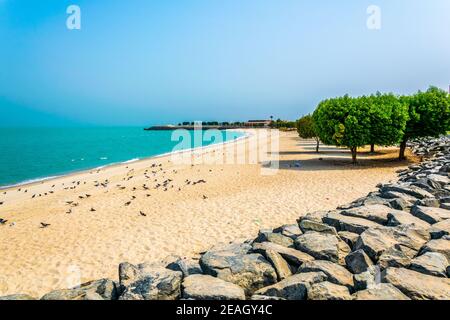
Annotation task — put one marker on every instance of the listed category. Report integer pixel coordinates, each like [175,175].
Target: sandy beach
[146,210]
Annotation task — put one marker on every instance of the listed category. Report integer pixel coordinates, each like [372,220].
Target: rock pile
[393,244]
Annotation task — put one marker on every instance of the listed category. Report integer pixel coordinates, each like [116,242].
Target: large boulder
[358,261]
[294,287]
[394,257]
[438,245]
[431,263]
[376,240]
[278,238]
[367,279]
[406,189]
[282,268]
[418,286]
[349,238]
[292,256]
[103,289]
[289,230]
[401,217]
[187,266]
[249,271]
[311,225]
[204,287]
[440,229]
[328,291]
[148,282]
[376,213]
[382,291]
[319,245]
[430,214]
[336,274]
[347,223]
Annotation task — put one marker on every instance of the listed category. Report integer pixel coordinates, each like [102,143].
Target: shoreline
[37,181]
[187,209]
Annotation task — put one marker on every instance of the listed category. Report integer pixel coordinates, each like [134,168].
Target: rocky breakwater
[393,244]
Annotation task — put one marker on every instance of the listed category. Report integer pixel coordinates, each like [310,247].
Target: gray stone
[392,195]
[187,266]
[103,289]
[382,291]
[319,245]
[203,287]
[349,238]
[289,230]
[440,229]
[249,271]
[428,202]
[148,282]
[439,179]
[310,225]
[292,256]
[376,213]
[376,240]
[400,217]
[418,286]
[328,291]
[438,245]
[400,204]
[367,279]
[431,263]
[17,297]
[335,273]
[278,238]
[314,216]
[347,223]
[358,261]
[407,189]
[281,266]
[394,257]
[430,214]
[294,287]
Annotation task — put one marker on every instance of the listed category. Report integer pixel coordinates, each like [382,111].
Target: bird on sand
[142,214]
[3,221]
[92,210]
[44,225]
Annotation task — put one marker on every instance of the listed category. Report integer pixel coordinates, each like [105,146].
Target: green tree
[306,129]
[388,117]
[429,115]
[345,122]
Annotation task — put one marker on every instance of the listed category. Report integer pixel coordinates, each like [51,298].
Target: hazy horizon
[138,63]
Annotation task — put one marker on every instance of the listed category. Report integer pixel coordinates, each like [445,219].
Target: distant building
[258,123]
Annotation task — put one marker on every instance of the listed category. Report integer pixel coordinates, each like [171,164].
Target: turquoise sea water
[27,154]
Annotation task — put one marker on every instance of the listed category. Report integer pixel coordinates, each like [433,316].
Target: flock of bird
[149,174]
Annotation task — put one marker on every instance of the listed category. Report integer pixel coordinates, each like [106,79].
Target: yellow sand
[238,202]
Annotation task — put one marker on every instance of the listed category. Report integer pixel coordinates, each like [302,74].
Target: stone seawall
[392,244]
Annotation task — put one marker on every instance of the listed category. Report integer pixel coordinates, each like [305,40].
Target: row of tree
[379,119]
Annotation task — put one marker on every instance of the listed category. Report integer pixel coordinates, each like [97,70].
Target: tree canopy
[307,130]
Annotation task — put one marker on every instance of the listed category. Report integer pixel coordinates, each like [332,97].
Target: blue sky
[140,62]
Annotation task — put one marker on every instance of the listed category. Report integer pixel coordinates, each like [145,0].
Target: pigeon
[44,225]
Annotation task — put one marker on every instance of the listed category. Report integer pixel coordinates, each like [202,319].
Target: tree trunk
[402,150]
[372,148]
[317,145]
[353,150]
